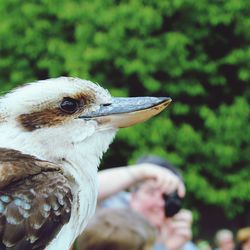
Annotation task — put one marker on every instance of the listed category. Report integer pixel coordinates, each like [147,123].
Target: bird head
[54,118]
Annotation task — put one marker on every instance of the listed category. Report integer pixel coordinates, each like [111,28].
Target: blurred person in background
[243,239]
[224,240]
[149,168]
[117,229]
[150,180]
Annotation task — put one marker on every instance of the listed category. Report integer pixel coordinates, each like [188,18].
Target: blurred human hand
[166,180]
[177,231]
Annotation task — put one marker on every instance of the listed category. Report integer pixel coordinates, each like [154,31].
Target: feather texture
[33,207]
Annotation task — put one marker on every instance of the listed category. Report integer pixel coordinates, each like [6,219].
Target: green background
[196,52]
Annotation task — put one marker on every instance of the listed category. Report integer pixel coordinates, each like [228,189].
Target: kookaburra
[52,136]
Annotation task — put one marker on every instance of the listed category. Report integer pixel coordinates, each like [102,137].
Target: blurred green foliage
[196,52]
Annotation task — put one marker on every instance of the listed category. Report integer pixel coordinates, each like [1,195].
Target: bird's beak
[125,112]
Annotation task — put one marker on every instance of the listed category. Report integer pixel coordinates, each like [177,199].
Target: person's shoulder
[159,246]
[119,200]
[189,246]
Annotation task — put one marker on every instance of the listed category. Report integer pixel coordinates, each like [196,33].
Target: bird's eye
[69,105]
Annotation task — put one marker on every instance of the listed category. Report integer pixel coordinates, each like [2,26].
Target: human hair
[243,236]
[117,229]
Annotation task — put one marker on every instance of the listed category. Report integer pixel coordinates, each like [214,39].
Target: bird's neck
[79,162]
[53,146]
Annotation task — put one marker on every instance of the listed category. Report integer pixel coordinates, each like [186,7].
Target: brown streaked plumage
[2,119]
[40,119]
[87,97]
[15,166]
[35,201]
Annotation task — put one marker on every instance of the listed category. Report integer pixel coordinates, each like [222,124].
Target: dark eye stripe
[49,117]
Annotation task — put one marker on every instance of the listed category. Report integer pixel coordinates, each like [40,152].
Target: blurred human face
[226,242]
[148,201]
[246,245]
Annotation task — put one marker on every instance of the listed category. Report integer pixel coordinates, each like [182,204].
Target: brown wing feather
[14,166]
[35,206]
